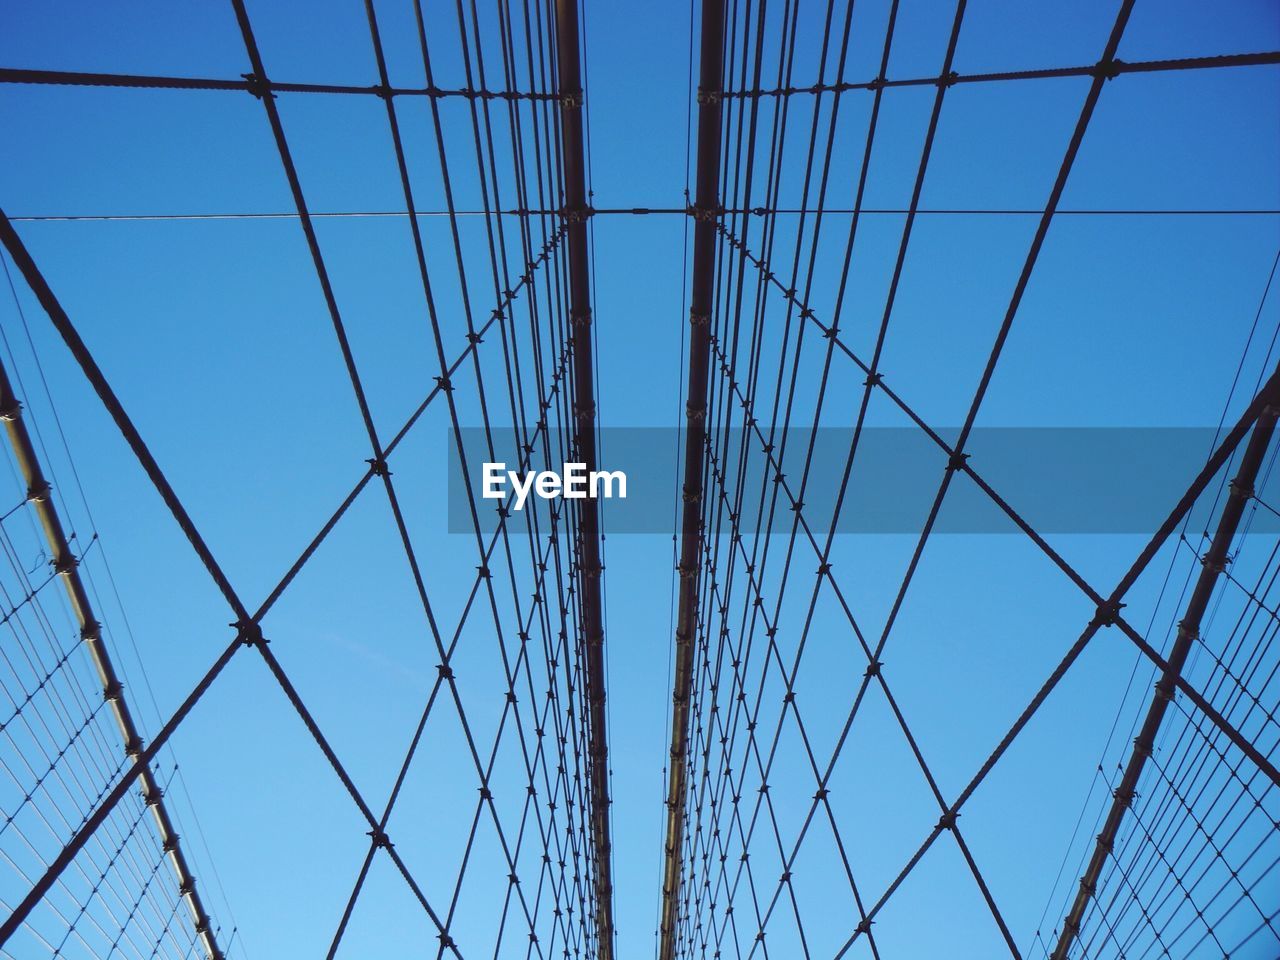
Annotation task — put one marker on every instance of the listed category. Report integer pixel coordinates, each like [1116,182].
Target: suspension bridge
[806,807]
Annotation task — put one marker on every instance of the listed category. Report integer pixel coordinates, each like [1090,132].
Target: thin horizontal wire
[647,211]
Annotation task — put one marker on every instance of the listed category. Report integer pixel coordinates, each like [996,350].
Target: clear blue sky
[215,337]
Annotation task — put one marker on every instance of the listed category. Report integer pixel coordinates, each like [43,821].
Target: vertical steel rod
[590,568]
[67,565]
[1215,561]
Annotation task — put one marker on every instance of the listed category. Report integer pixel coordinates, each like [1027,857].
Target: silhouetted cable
[525,214]
[704,249]
[247,631]
[1188,630]
[256,85]
[65,564]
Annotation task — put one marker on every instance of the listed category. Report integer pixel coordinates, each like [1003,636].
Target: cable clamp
[250,632]
[112,691]
[1242,490]
[948,79]
[65,564]
[708,98]
[571,99]
[957,460]
[580,316]
[258,86]
[709,214]
[380,839]
[444,384]
[1214,566]
[10,409]
[1108,613]
[1108,69]
[378,466]
[38,493]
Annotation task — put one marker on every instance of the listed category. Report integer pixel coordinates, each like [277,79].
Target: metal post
[590,568]
[1215,561]
[67,565]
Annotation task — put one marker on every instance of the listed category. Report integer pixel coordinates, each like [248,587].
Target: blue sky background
[215,337]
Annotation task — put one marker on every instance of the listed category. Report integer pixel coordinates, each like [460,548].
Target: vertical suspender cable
[575,215]
[706,213]
[66,564]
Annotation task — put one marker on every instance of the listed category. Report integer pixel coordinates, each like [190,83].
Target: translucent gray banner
[1121,480]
